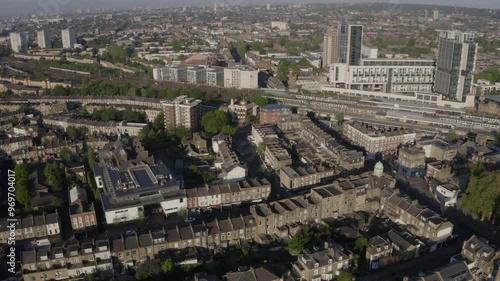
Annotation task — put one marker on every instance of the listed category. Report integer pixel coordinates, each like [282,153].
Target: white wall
[126,214]
[236,173]
[173,205]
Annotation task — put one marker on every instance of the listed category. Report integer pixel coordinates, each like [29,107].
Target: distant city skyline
[27,7]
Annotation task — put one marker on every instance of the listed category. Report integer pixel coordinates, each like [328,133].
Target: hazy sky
[16,7]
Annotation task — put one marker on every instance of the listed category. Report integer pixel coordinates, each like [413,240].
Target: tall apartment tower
[349,42]
[68,38]
[455,64]
[435,15]
[330,49]
[181,112]
[19,41]
[43,39]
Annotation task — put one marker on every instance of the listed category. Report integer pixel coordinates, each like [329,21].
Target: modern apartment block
[174,73]
[241,77]
[215,77]
[377,140]
[330,49]
[181,112]
[349,43]
[385,75]
[455,64]
[19,41]
[68,38]
[43,39]
[197,75]
[131,179]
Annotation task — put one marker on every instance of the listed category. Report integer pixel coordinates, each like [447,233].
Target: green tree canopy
[229,130]
[339,117]
[214,121]
[452,136]
[23,194]
[300,241]
[259,100]
[167,266]
[5,51]
[159,122]
[482,196]
[361,244]
[148,269]
[54,176]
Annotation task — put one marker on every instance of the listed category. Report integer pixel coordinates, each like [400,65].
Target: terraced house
[227,194]
[419,220]
[73,260]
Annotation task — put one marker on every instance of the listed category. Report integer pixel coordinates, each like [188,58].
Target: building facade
[19,41]
[349,43]
[181,112]
[373,140]
[68,38]
[456,63]
[330,49]
[385,75]
[241,77]
[43,39]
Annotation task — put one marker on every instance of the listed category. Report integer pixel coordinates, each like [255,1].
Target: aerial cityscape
[236,140]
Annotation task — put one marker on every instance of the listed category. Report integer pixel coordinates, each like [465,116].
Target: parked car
[189,219]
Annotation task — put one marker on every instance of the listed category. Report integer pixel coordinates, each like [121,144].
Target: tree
[67,155]
[482,195]
[91,157]
[84,112]
[452,136]
[361,244]
[345,276]
[57,203]
[182,212]
[229,130]
[159,122]
[23,194]
[5,51]
[339,117]
[54,176]
[168,266]
[300,240]
[261,149]
[477,169]
[214,121]
[259,100]
[72,132]
[148,269]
